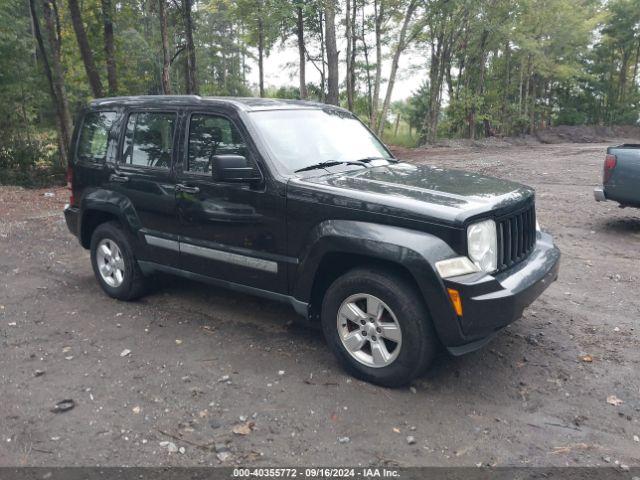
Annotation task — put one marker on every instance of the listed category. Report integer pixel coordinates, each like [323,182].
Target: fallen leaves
[569,448]
[586,358]
[244,428]
[170,446]
[615,401]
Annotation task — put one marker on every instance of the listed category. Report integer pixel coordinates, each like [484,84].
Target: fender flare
[413,250]
[114,203]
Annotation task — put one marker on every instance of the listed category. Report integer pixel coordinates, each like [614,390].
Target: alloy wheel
[369,330]
[110,262]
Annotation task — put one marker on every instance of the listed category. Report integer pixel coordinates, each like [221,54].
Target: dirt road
[204,361]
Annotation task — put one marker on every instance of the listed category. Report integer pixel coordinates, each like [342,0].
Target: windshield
[300,138]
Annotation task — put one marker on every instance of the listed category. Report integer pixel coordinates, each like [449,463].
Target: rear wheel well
[334,265]
[90,222]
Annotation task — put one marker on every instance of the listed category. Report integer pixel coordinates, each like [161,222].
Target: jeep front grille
[516,237]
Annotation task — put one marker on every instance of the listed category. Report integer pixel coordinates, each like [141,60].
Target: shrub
[30,162]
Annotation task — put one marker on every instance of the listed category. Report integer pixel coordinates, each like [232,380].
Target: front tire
[114,263]
[378,327]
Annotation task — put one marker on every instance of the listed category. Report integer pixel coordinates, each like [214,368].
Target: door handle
[186,189]
[118,178]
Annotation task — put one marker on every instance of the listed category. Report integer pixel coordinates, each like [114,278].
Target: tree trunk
[431,122]
[506,127]
[479,86]
[54,77]
[261,54]
[109,46]
[635,67]
[365,50]
[190,68]
[85,49]
[402,44]
[349,37]
[520,87]
[378,8]
[166,57]
[622,79]
[532,117]
[323,74]
[354,37]
[301,53]
[333,78]
[526,89]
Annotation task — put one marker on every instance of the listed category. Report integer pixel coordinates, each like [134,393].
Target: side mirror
[234,168]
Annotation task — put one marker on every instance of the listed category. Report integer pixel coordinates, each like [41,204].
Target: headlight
[483,245]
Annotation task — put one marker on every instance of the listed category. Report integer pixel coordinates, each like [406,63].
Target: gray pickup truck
[621,178]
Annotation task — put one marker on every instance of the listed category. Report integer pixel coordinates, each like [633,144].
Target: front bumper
[491,302]
[599,195]
[72,217]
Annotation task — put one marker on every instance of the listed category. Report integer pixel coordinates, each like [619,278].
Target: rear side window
[210,135]
[149,139]
[94,136]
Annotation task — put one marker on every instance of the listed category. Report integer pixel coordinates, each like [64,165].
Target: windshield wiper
[332,163]
[371,159]
[329,163]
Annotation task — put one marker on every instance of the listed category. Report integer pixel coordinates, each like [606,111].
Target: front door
[144,174]
[229,231]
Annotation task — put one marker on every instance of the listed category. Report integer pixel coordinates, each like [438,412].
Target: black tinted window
[149,139]
[209,136]
[94,136]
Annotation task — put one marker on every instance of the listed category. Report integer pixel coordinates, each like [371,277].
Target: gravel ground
[229,378]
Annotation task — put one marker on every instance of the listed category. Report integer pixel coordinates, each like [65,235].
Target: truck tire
[114,264]
[377,325]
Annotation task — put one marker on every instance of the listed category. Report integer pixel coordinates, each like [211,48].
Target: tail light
[610,162]
[72,200]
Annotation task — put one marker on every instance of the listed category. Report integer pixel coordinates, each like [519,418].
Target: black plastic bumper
[490,303]
[72,217]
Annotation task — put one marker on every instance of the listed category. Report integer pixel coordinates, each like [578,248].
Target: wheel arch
[100,206]
[337,263]
[338,246]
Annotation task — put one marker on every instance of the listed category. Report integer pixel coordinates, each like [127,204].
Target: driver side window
[209,136]
[149,139]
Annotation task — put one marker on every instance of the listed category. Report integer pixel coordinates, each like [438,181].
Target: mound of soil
[550,135]
[586,134]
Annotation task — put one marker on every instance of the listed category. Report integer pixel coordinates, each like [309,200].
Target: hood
[422,190]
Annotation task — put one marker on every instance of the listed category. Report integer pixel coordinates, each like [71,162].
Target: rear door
[230,231]
[145,175]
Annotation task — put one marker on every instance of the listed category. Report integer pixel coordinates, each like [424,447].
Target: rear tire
[114,263]
[382,317]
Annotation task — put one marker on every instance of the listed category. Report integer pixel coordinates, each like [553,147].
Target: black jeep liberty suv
[300,202]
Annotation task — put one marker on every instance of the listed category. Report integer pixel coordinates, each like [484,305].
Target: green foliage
[291,93]
[497,67]
[27,156]
[404,137]
[418,106]
[520,65]
[30,162]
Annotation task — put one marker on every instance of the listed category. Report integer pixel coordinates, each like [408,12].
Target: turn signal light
[454,295]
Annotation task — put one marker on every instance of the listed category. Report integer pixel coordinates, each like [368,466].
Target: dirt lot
[204,361]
